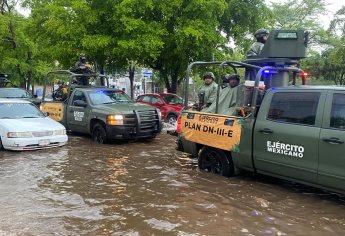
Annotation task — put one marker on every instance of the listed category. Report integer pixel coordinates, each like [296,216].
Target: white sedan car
[24,127]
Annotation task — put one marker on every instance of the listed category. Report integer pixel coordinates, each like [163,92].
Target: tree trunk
[174,79]
[102,72]
[165,77]
[131,71]
[29,81]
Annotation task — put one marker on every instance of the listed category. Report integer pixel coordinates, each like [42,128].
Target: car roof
[158,94]
[11,88]
[98,88]
[14,100]
[310,87]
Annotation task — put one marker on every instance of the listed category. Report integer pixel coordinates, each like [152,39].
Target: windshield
[98,97]
[172,99]
[19,110]
[14,93]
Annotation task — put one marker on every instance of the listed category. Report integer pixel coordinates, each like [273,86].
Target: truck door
[286,134]
[331,171]
[77,113]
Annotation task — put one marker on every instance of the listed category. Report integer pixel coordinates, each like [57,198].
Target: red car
[169,104]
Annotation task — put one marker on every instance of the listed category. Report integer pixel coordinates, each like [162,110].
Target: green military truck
[102,112]
[289,131]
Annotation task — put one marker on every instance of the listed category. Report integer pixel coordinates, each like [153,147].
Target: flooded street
[149,188]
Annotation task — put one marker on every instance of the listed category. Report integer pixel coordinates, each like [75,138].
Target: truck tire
[99,134]
[215,161]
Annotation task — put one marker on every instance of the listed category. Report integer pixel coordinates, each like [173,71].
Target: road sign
[148,73]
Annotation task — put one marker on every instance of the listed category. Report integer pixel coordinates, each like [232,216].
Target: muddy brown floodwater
[149,188]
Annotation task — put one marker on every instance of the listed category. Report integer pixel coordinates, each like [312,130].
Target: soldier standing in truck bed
[261,36]
[82,67]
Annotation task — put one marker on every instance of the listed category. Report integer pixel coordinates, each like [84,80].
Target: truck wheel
[215,161]
[171,119]
[99,134]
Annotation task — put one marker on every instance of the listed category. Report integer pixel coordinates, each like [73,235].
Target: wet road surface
[149,188]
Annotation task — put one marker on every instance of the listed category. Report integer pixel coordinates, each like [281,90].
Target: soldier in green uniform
[261,36]
[61,93]
[208,92]
[230,98]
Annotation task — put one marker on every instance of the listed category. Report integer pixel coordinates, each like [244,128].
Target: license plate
[43,142]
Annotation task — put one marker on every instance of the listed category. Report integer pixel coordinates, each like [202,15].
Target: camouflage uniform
[210,92]
[60,94]
[255,49]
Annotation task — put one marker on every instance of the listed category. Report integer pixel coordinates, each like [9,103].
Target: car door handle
[266,131]
[332,140]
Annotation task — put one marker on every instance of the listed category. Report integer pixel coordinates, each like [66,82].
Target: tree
[166,35]
[64,29]
[329,64]
[19,54]
[242,18]
[300,14]
[14,44]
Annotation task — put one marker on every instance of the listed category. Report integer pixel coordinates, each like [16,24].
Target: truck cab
[289,131]
[102,112]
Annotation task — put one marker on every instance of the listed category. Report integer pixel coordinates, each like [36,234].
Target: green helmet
[208,74]
[261,32]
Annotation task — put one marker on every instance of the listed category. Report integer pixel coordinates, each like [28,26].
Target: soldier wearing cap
[208,92]
[261,36]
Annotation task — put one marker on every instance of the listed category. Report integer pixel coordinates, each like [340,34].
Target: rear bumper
[22,144]
[179,146]
[186,146]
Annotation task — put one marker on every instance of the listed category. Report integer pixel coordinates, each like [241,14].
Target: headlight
[115,119]
[19,135]
[159,114]
[60,132]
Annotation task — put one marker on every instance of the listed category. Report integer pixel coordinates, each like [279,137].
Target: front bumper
[131,132]
[21,144]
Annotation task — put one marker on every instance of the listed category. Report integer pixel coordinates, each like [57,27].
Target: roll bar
[71,76]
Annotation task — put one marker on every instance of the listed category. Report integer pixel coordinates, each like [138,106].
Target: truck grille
[145,122]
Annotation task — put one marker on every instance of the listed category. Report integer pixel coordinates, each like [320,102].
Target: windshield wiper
[108,102]
[6,117]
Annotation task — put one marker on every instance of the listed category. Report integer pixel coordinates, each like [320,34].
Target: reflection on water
[148,188]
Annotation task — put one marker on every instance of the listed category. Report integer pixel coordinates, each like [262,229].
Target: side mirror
[46,114]
[79,103]
[158,103]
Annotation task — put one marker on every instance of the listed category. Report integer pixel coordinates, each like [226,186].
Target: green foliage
[300,14]
[242,18]
[328,65]
[166,35]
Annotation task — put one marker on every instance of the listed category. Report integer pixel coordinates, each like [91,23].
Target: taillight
[178,128]
[304,76]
